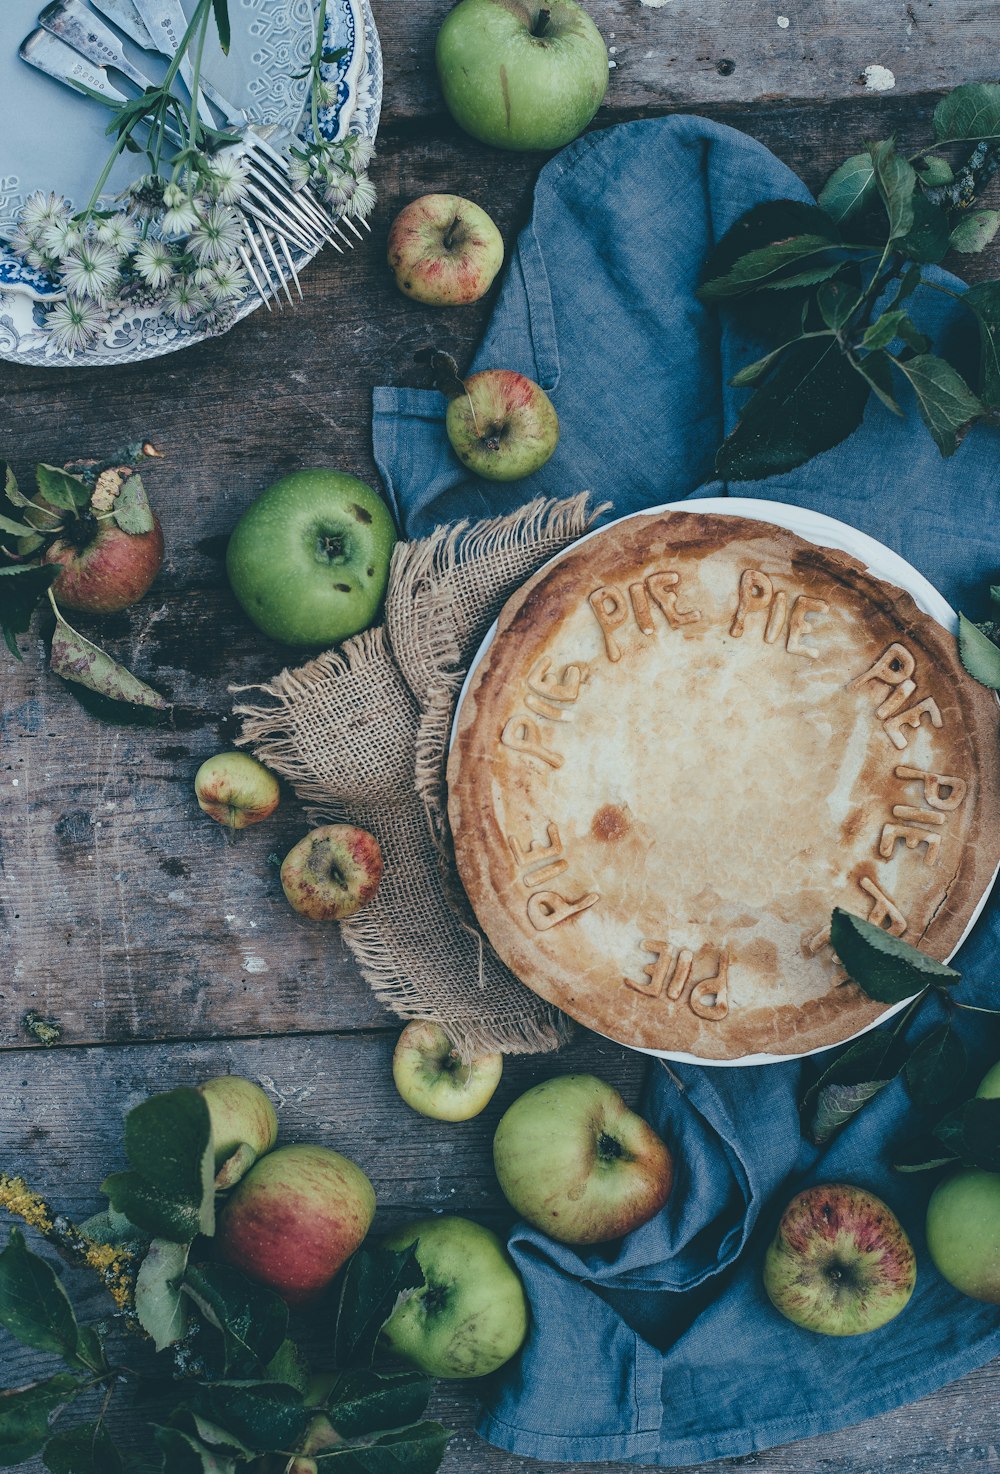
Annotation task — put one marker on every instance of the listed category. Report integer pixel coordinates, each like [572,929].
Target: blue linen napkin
[663,1349]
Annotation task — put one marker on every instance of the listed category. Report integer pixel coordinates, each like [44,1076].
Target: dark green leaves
[978,654]
[34,1307]
[84,1450]
[418,1450]
[935,1071]
[25,1413]
[60,489]
[267,1417]
[812,400]
[984,301]
[895,181]
[362,1402]
[22,585]
[170,1192]
[973,1133]
[849,187]
[974,232]
[970,112]
[253,1320]
[764,267]
[220,9]
[846,1085]
[374,1282]
[886,968]
[947,404]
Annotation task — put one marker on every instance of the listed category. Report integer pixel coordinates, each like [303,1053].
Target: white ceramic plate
[827,532]
[272,40]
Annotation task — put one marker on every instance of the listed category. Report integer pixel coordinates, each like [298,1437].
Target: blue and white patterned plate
[272,39]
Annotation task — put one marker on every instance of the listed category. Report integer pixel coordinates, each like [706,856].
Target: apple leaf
[895,180]
[84,1450]
[973,1133]
[16,529]
[170,1192]
[157,1215]
[971,111]
[132,511]
[159,1304]
[266,1416]
[185,1454]
[25,1413]
[22,586]
[34,1307]
[374,1282]
[253,1319]
[978,654]
[886,968]
[764,266]
[363,1402]
[974,231]
[115,1230]
[983,300]
[837,302]
[946,403]
[289,1365]
[418,1449]
[928,238]
[11,490]
[935,1071]
[923,1153]
[849,187]
[61,489]
[76,659]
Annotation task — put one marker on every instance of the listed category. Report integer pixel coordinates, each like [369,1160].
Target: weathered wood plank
[60,1123]
[698,53]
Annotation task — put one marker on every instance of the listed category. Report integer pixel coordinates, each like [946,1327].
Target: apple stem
[541,23]
[449,236]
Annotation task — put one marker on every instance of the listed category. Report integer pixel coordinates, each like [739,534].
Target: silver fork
[276,217]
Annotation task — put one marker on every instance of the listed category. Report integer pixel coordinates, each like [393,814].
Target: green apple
[244,1125]
[840,1262]
[309,559]
[236,789]
[444,251]
[502,425]
[470,1315]
[574,1161]
[432,1077]
[521,75]
[963,1232]
[989,1085]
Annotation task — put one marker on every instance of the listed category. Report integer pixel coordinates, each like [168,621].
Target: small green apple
[432,1077]
[574,1161]
[470,1315]
[444,251]
[244,1125]
[519,74]
[989,1085]
[236,789]
[309,559]
[502,425]
[840,1262]
[963,1231]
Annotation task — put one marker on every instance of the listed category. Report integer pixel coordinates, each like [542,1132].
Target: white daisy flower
[60,237]
[184,302]
[362,150]
[40,209]
[155,263]
[74,324]
[362,201]
[180,219]
[229,284]
[91,270]
[22,240]
[327,94]
[118,232]
[216,235]
[228,178]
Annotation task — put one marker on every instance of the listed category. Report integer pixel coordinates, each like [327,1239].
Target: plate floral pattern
[140,329]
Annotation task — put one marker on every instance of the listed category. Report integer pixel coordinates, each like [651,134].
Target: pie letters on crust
[691,737]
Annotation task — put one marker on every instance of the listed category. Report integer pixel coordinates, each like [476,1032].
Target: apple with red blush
[332,872]
[444,250]
[501,424]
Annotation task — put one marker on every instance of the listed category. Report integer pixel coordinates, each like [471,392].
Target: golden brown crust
[692,736]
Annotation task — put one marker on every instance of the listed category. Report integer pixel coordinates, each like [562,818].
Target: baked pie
[692,736]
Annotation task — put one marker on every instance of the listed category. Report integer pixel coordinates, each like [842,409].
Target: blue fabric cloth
[663,1349]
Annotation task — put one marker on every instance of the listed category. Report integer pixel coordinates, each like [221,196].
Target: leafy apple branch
[832,283]
[69,507]
[217,1372]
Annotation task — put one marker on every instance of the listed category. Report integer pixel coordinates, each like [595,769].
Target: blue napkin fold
[663,1349]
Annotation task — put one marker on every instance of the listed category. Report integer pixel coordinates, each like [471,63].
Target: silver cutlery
[77,25]
[166,23]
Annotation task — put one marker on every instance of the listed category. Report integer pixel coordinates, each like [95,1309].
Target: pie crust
[691,737]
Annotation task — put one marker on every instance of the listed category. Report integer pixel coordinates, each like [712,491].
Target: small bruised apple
[332,872]
[103,569]
[444,250]
[236,789]
[503,426]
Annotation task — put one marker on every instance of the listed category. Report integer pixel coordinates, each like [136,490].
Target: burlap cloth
[361,733]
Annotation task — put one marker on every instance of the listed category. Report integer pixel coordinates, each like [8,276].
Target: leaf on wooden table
[253,1319]
[969,112]
[115,1230]
[159,1304]
[886,968]
[60,489]
[974,232]
[933,170]
[811,402]
[76,659]
[34,1307]
[947,405]
[88,1449]
[168,1141]
[22,587]
[895,181]
[266,1416]
[11,490]
[935,1071]
[365,1401]
[850,186]
[183,1453]
[25,1413]
[132,511]
[978,654]
[374,1283]
[418,1450]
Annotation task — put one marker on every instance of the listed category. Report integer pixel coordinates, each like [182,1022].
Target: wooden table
[165,952]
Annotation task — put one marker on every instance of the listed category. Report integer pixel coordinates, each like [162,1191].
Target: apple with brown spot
[236,790]
[840,1262]
[444,250]
[295,1218]
[502,425]
[332,872]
